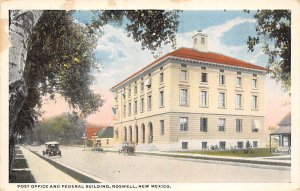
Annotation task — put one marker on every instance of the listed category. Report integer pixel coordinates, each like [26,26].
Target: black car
[52,149]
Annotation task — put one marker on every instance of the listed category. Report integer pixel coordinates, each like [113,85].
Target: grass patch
[22,176]
[19,163]
[260,152]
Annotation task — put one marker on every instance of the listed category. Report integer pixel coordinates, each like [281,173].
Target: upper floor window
[221,124]
[202,40]
[161,98]
[254,83]
[124,110]
[238,101]
[162,127]
[203,124]
[135,89]
[183,123]
[142,104]
[129,92]
[222,99]
[183,75]
[149,102]
[183,97]
[135,106]
[254,102]
[161,77]
[239,125]
[204,77]
[222,79]
[203,98]
[238,81]
[129,108]
[142,86]
[255,125]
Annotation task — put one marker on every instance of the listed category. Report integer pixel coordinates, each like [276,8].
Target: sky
[120,57]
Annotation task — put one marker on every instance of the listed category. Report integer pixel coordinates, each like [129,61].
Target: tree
[273,28]
[60,58]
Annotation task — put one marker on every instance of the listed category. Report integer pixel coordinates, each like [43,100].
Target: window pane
[183,97]
[203,98]
[238,101]
[221,99]
[183,75]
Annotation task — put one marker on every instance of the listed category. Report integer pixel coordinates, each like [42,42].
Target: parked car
[52,149]
[128,148]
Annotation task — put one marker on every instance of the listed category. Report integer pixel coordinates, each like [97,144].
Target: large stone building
[192,99]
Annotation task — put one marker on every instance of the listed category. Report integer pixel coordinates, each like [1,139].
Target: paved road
[149,169]
[44,172]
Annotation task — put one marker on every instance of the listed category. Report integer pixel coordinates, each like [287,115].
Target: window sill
[184,105]
[222,107]
[255,109]
[162,106]
[239,108]
[204,83]
[203,106]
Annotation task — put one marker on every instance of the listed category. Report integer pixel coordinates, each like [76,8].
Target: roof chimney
[200,41]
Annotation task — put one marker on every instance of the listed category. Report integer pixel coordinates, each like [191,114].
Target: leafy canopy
[273,30]
[61,59]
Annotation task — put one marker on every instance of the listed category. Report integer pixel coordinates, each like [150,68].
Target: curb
[259,162]
[77,174]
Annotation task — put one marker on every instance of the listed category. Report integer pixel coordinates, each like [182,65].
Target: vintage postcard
[169,95]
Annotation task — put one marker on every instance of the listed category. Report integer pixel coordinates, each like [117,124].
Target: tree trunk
[20,27]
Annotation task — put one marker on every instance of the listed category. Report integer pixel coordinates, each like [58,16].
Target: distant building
[192,99]
[106,137]
[283,132]
[92,130]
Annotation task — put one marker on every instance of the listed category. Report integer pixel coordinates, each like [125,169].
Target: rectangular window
[135,106]
[239,125]
[255,125]
[135,89]
[129,92]
[142,104]
[222,79]
[254,102]
[204,77]
[184,145]
[124,111]
[161,98]
[183,75]
[239,81]
[183,123]
[203,124]
[183,97]
[203,98]
[149,102]
[254,83]
[238,101]
[221,99]
[221,124]
[202,40]
[240,144]
[162,127]
[161,77]
[204,145]
[129,109]
[222,145]
[142,86]
[255,144]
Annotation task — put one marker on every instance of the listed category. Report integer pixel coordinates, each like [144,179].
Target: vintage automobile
[128,148]
[52,149]
[97,148]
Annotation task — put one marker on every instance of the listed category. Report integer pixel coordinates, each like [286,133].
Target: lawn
[260,152]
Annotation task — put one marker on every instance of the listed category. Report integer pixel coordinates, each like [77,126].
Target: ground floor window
[285,141]
[222,145]
[184,145]
[240,145]
[254,144]
[107,141]
[204,145]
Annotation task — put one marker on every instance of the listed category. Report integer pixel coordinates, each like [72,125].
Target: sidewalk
[44,172]
[271,161]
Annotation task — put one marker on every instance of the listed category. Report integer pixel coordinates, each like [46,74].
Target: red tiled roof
[92,130]
[188,53]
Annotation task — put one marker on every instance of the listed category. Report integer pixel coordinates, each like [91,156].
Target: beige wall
[172,111]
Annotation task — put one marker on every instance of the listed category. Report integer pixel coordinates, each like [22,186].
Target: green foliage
[152,28]
[66,129]
[273,30]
